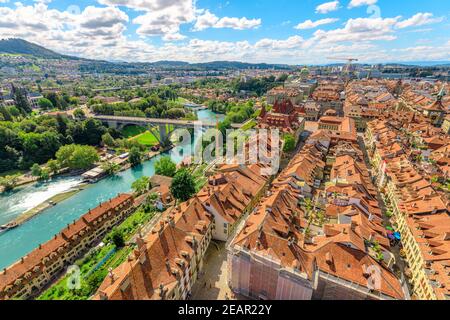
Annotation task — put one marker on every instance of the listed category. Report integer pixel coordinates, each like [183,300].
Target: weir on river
[18,242]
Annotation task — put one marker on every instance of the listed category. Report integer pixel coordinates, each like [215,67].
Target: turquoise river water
[17,242]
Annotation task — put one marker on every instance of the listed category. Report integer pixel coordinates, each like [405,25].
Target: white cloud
[327,7]
[209,20]
[290,43]
[149,5]
[427,53]
[419,19]
[309,24]
[360,29]
[360,3]
[99,33]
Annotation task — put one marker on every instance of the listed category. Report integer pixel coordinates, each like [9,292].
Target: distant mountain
[19,46]
[216,65]
[425,63]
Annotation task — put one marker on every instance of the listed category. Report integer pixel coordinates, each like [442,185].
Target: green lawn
[147,139]
[132,131]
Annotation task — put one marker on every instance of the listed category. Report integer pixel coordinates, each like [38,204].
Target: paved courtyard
[212,283]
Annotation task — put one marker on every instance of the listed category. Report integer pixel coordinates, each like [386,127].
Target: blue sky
[275,31]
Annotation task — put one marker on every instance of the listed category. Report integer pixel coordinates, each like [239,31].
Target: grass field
[147,139]
[132,131]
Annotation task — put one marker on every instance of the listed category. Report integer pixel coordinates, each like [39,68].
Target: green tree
[141,185]
[118,239]
[20,99]
[77,156]
[9,182]
[135,156]
[289,143]
[183,185]
[45,104]
[53,166]
[79,114]
[36,170]
[165,167]
[45,174]
[111,167]
[108,140]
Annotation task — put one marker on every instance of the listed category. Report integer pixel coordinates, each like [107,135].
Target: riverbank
[53,201]
[19,241]
[60,197]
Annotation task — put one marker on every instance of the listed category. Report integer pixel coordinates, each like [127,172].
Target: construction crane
[349,62]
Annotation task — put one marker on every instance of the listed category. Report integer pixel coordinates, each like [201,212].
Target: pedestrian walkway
[212,282]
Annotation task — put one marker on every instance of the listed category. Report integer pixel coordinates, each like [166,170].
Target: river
[17,242]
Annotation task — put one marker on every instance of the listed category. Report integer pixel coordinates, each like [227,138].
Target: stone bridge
[162,124]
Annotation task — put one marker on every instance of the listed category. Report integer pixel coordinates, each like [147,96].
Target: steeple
[441,94]
[263,111]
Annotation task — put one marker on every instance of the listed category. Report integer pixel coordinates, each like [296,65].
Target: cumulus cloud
[209,20]
[165,17]
[419,19]
[99,33]
[309,24]
[360,3]
[327,7]
[360,29]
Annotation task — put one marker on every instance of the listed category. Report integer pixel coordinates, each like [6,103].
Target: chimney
[329,258]
[162,291]
[111,275]
[168,265]
[140,243]
[171,222]
[103,295]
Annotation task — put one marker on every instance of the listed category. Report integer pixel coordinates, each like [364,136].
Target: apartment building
[419,208]
[230,195]
[28,276]
[288,251]
[365,100]
[167,261]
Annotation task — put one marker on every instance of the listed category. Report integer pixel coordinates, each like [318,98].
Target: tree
[165,167]
[39,147]
[135,156]
[79,114]
[20,99]
[45,174]
[36,170]
[108,140]
[93,131]
[53,166]
[45,104]
[289,143]
[118,239]
[77,157]
[183,185]
[141,185]
[111,167]
[9,182]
